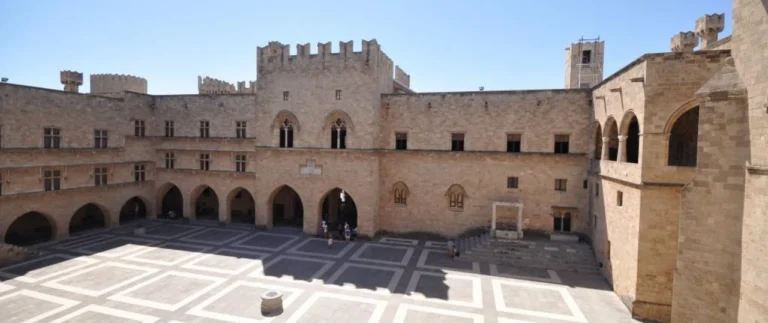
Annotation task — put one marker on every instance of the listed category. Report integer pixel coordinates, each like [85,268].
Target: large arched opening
[597,154]
[87,217]
[172,204]
[613,139]
[29,229]
[241,206]
[631,128]
[287,208]
[206,204]
[338,208]
[133,209]
[684,139]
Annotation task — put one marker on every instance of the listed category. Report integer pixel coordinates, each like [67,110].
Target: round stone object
[271,303]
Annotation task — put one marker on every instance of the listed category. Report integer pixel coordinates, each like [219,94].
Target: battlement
[684,41]
[276,55]
[708,26]
[71,80]
[110,83]
[209,85]
[242,89]
[402,77]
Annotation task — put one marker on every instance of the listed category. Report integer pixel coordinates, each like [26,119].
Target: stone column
[223,208]
[622,149]
[604,152]
[520,221]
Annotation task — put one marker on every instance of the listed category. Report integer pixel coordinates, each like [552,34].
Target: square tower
[584,63]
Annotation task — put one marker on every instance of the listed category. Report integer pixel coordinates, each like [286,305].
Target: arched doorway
[133,209]
[29,229]
[87,217]
[338,208]
[172,201]
[242,206]
[287,209]
[683,139]
[207,205]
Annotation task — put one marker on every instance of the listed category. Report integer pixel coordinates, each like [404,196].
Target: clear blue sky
[445,45]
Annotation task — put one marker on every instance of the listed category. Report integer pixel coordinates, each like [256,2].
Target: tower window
[513,142]
[401,141]
[586,56]
[620,198]
[240,163]
[339,134]
[338,94]
[457,142]
[285,95]
[561,144]
[205,129]
[286,134]
[52,138]
[138,128]
[562,222]
[99,139]
[169,128]
[240,129]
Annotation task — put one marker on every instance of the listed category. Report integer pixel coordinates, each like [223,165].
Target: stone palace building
[661,166]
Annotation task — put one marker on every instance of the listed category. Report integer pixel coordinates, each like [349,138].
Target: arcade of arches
[134,209]
[287,209]
[339,208]
[207,205]
[30,228]
[87,217]
[242,206]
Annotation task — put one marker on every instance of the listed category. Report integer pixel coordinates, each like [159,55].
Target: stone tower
[584,63]
[71,80]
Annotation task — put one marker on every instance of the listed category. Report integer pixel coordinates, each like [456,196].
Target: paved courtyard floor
[206,273]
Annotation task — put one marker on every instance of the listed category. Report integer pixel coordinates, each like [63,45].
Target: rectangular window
[100,176]
[138,128]
[205,161]
[561,144]
[169,128]
[338,138]
[597,189]
[562,222]
[286,137]
[456,201]
[99,139]
[513,142]
[594,220]
[560,184]
[240,129]
[285,95]
[1,136]
[512,182]
[586,56]
[620,198]
[457,142]
[170,160]
[52,180]
[52,138]
[139,172]
[338,94]
[401,141]
[240,163]
[586,184]
[205,129]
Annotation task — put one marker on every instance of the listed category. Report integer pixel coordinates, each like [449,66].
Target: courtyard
[204,272]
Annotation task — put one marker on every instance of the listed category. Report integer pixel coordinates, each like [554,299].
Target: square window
[512,182]
[52,138]
[457,142]
[285,95]
[205,161]
[100,139]
[240,163]
[170,160]
[586,56]
[560,184]
[561,144]
[52,180]
[401,141]
[620,198]
[139,172]
[513,142]
[100,176]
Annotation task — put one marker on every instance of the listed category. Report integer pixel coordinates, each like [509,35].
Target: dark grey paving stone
[365,277]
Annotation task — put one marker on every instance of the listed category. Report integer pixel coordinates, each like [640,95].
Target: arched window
[683,139]
[286,134]
[456,196]
[400,192]
[612,132]
[339,134]
[598,143]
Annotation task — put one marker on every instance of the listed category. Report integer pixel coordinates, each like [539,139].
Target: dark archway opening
[287,209]
[684,139]
[242,207]
[29,229]
[87,217]
[613,141]
[173,204]
[207,205]
[339,208]
[134,209]
[598,144]
[633,141]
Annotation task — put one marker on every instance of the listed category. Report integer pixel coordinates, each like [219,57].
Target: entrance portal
[207,205]
[339,208]
[133,209]
[287,209]
[172,202]
[242,207]
[29,229]
[87,217]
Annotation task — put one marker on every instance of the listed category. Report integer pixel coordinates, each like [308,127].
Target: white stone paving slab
[22,311]
[167,289]
[68,263]
[123,316]
[101,279]
[575,316]
[375,317]
[200,309]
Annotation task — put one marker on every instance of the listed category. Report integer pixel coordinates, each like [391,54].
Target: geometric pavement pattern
[203,272]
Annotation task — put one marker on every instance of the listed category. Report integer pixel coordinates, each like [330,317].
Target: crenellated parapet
[243,89]
[684,41]
[402,77]
[71,80]
[708,26]
[209,85]
[277,56]
[111,83]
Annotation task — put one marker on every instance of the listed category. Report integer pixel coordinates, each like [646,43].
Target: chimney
[71,80]
[708,26]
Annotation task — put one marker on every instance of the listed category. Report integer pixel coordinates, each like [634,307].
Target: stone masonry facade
[661,166]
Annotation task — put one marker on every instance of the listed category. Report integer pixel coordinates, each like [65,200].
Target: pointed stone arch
[30,228]
[204,203]
[630,132]
[611,135]
[456,196]
[241,206]
[283,116]
[89,216]
[400,193]
[335,115]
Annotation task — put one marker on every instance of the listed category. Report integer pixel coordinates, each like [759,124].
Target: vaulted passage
[633,141]
[207,205]
[134,209]
[87,217]
[339,208]
[287,209]
[29,229]
[684,138]
[173,203]
[242,207]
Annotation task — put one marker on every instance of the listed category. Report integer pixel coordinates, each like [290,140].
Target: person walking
[451,249]
[327,234]
[347,232]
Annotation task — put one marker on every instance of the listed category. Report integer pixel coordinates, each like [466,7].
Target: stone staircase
[540,254]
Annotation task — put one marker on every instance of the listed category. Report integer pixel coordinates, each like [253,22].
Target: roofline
[488,92]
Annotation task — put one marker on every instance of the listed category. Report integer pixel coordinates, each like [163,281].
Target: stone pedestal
[271,303]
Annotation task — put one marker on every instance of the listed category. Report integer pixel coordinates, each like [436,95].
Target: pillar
[520,221]
[622,157]
[224,217]
[604,152]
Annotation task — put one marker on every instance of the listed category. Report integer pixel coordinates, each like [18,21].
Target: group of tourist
[344,231]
